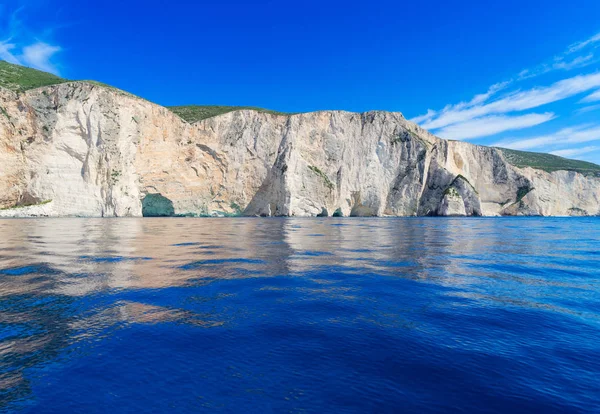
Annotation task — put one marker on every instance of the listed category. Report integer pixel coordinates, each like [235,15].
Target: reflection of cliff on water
[133,292]
[34,327]
[95,255]
[89,255]
[65,284]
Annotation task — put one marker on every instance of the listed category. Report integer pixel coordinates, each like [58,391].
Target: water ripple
[296,315]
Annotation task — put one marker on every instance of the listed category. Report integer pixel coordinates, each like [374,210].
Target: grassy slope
[548,162]
[20,78]
[194,113]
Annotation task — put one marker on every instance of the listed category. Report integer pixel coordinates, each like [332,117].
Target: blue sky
[520,74]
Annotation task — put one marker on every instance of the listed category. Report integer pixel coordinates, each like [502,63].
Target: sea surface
[489,315]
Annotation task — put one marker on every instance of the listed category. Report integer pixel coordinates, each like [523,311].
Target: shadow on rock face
[360,210]
[155,205]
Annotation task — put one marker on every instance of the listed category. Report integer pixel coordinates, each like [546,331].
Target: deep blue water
[300,315]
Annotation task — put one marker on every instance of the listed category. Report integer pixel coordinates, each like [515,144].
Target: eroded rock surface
[78,149]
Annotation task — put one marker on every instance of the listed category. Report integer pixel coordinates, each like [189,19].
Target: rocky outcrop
[79,149]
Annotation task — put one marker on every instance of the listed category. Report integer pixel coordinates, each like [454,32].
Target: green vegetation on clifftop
[19,78]
[548,162]
[195,113]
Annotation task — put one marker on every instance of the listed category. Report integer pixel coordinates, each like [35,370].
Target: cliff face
[77,149]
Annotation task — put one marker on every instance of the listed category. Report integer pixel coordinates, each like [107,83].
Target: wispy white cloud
[578,62]
[6,52]
[586,109]
[491,112]
[566,136]
[38,56]
[517,101]
[494,112]
[594,40]
[477,99]
[593,97]
[574,152]
[418,119]
[559,63]
[565,61]
[491,125]
[24,48]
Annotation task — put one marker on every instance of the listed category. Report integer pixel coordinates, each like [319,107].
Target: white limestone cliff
[78,149]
